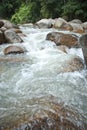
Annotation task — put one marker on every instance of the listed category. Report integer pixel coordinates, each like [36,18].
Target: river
[30,85]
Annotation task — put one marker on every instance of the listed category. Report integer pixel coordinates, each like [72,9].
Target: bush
[26,13]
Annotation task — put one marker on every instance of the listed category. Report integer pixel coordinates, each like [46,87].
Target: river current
[38,76]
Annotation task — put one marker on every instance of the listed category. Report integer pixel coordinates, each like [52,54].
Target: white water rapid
[39,75]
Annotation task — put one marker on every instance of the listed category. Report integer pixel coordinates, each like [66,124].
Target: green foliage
[21,11]
[73,9]
[26,13]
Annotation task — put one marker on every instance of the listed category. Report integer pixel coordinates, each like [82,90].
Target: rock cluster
[59,23]
[9,33]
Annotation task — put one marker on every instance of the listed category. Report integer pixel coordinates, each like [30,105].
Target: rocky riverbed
[43,80]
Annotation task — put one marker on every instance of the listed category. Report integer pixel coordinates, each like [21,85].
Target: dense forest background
[22,11]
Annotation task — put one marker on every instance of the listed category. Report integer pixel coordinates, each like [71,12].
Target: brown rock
[14,59]
[13,50]
[62,39]
[79,31]
[75,64]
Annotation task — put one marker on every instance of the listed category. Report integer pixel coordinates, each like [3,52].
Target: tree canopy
[21,11]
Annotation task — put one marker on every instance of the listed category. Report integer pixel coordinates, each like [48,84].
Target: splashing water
[23,84]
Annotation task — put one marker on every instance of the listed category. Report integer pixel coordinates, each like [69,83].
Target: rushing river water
[30,84]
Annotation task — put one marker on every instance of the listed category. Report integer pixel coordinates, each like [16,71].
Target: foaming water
[23,84]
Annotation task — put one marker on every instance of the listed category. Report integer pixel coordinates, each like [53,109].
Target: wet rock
[13,50]
[54,117]
[83,43]
[62,24]
[2,37]
[12,36]
[74,64]
[62,39]
[45,23]
[14,59]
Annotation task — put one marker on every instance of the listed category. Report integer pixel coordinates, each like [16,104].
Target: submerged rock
[63,48]
[63,39]
[13,50]
[50,116]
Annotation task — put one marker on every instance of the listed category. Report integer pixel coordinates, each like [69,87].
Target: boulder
[63,39]
[12,37]
[7,24]
[62,24]
[76,27]
[84,25]
[76,21]
[13,50]
[83,43]
[2,37]
[45,23]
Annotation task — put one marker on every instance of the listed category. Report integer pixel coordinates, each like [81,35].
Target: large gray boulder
[60,23]
[12,37]
[45,23]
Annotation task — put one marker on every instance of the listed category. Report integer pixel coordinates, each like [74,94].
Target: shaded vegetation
[21,11]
